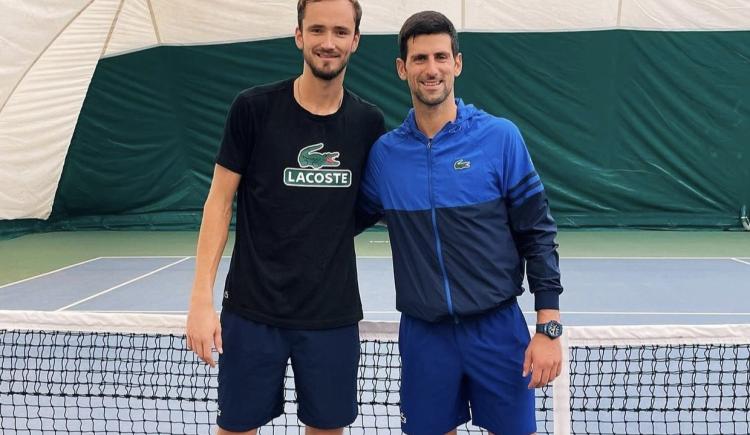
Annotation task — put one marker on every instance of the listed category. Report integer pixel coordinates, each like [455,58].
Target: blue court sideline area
[631,290]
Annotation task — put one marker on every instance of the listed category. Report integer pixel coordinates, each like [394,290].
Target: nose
[431,67]
[328,41]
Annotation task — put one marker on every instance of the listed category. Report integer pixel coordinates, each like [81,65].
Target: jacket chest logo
[312,170]
[461,164]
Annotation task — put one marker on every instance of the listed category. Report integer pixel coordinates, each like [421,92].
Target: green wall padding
[627,128]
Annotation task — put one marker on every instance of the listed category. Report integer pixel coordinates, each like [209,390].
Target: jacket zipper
[438,245]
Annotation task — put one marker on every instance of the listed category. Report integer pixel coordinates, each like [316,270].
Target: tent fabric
[135,28]
[41,106]
[50,51]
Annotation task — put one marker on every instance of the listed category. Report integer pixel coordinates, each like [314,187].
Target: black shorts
[252,367]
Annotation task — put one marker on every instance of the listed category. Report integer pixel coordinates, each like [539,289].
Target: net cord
[174,324]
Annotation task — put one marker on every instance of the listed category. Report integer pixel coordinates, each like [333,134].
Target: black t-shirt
[293,264]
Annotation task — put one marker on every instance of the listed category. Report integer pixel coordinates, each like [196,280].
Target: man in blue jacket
[466,211]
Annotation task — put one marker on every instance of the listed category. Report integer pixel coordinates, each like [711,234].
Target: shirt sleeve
[236,144]
[380,125]
[369,208]
[534,229]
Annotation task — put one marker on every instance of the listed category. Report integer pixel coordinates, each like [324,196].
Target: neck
[318,96]
[431,119]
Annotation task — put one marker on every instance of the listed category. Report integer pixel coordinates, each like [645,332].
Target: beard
[324,74]
[432,100]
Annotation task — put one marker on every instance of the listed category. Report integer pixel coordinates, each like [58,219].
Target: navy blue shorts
[252,367]
[471,370]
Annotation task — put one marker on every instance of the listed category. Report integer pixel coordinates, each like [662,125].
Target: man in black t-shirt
[293,152]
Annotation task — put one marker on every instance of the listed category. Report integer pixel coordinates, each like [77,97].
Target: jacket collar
[463,113]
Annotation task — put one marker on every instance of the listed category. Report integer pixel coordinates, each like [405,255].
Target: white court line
[622,313]
[137,311]
[114,257]
[50,272]
[741,261]
[647,313]
[389,256]
[605,258]
[146,257]
[120,285]
[615,313]
[647,258]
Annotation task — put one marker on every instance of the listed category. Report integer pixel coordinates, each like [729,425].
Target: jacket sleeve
[534,230]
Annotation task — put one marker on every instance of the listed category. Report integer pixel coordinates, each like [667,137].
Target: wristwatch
[551,329]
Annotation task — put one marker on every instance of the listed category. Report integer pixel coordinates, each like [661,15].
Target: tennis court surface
[96,346]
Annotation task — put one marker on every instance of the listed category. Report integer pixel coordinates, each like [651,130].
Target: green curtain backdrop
[626,128]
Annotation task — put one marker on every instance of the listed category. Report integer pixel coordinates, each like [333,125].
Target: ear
[298,38]
[401,68]
[459,64]
[355,42]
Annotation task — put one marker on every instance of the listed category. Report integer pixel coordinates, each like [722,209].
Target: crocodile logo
[313,172]
[461,164]
[309,157]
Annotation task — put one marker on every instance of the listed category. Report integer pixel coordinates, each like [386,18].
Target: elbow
[218,206]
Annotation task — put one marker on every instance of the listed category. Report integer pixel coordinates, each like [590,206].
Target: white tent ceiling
[49,50]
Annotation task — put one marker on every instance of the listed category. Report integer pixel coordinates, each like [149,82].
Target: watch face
[554,329]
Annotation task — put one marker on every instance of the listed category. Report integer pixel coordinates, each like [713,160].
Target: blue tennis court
[598,291]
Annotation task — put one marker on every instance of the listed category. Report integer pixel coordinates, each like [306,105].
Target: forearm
[217,214]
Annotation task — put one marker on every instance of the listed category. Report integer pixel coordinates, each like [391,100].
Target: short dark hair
[302,5]
[426,23]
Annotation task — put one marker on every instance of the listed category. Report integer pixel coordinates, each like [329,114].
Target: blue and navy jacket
[466,211]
